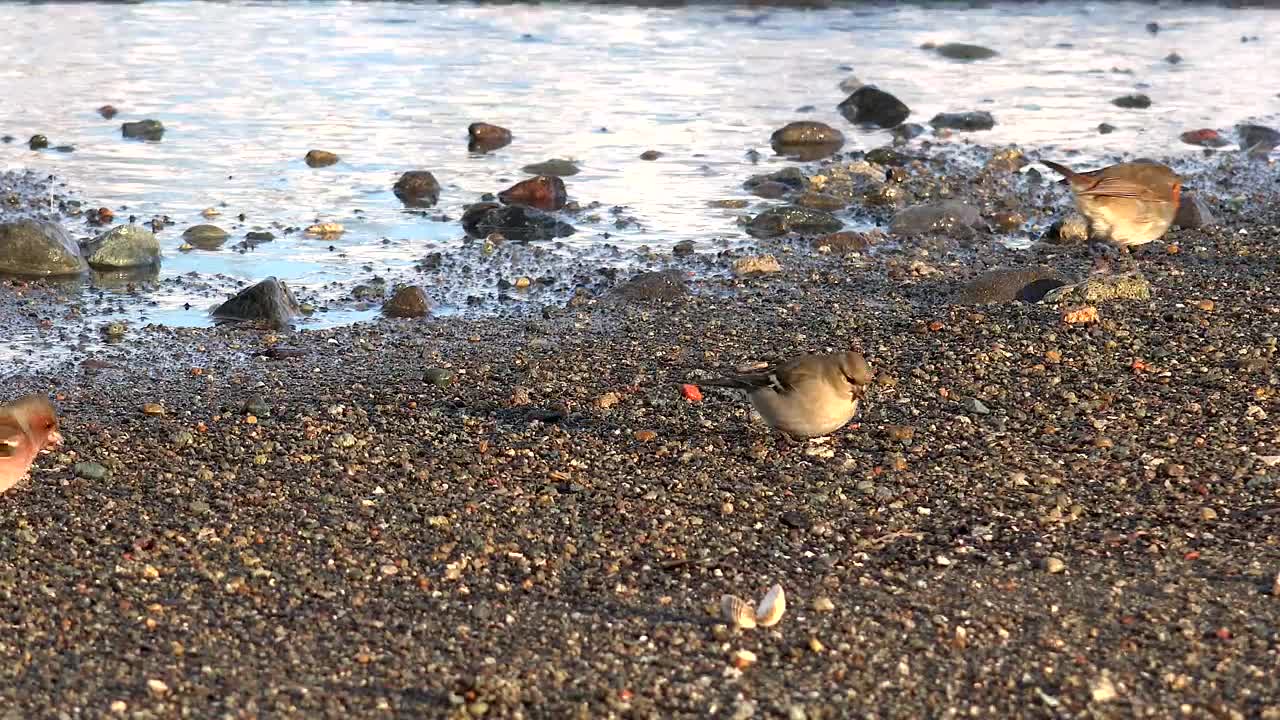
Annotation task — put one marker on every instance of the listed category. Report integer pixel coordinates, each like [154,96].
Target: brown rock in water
[269,301]
[320,158]
[650,155]
[205,237]
[417,188]
[806,140]
[1009,284]
[407,302]
[483,137]
[107,111]
[143,130]
[544,192]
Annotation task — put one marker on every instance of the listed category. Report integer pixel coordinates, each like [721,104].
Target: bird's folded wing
[1120,188]
[11,436]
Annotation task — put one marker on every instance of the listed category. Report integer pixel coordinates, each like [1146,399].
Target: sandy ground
[525,518]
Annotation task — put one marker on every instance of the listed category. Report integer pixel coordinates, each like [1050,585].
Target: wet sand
[472,517]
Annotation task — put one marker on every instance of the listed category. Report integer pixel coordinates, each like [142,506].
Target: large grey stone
[39,247]
[124,246]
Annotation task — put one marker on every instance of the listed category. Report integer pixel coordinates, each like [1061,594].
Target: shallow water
[244,90]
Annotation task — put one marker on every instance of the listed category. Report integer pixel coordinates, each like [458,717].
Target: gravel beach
[1038,513]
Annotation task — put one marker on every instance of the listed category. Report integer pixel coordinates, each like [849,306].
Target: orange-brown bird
[27,426]
[1127,204]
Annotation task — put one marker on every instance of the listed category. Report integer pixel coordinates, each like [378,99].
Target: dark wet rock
[259,236]
[807,140]
[38,142]
[417,188]
[6,139]
[1257,139]
[887,156]
[269,301]
[964,51]
[1173,58]
[545,192]
[123,247]
[770,190]
[483,137]
[1008,284]
[108,111]
[1204,137]
[820,201]
[515,222]
[869,105]
[1153,27]
[1136,101]
[660,286]
[40,248]
[684,248]
[320,158]
[650,155]
[556,167]
[842,243]
[143,130]
[1106,128]
[407,302]
[1070,230]
[939,217]
[1193,212]
[793,178]
[803,132]
[906,132]
[792,219]
[374,289]
[964,121]
[205,237]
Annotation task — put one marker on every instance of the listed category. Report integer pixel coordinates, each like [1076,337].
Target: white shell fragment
[737,612]
[771,609]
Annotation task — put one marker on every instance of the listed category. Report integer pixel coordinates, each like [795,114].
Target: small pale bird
[808,396]
[27,426]
[1127,204]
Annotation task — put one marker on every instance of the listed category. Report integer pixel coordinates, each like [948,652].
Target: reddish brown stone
[484,137]
[543,192]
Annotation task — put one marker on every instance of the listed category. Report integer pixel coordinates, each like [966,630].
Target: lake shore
[525,517]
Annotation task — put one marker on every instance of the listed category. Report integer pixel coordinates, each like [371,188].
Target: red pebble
[691,392]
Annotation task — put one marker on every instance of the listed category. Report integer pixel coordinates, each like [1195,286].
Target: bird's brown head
[40,418]
[855,368]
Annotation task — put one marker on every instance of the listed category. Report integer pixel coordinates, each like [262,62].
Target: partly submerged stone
[143,130]
[792,219]
[205,237]
[483,137]
[544,192]
[124,246]
[269,301]
[408,302]
[417,188]
[869,105]
[514,222]
[39,247]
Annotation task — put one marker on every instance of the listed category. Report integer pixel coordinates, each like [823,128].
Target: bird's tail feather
[1062,170]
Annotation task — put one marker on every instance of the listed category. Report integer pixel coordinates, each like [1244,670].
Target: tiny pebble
[1054,565]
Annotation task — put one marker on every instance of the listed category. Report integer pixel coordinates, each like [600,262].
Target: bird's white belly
[801,414]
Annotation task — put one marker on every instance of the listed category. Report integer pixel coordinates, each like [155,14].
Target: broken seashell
[737,612]
[742,659]
[771,609]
